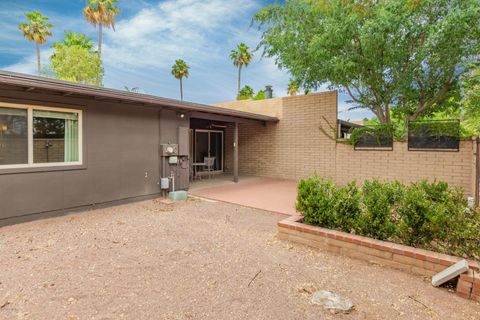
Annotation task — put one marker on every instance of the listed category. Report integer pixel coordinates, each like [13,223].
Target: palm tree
[179,70]
[37,29]
[293,87]
[241,57]
[101,13]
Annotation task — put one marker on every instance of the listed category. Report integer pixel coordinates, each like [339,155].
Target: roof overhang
[63,88]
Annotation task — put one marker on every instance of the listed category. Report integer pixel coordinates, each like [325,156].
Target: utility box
[164,183]
[169,149]
[183,141]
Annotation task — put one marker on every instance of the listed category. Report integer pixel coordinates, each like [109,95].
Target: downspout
[477,171]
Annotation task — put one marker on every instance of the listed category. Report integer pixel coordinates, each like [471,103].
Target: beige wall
[268,107]
[295,147]
[456,168]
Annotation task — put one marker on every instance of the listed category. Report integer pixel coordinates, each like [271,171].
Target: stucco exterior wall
[121,159]
[295,147]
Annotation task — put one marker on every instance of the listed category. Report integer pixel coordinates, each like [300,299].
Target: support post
[235,153]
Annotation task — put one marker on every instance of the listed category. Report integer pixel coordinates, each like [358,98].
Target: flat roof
[65,88]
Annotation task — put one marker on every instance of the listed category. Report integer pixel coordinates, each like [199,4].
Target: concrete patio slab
[261,193]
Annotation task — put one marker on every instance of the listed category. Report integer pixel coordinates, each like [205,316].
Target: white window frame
[30,163]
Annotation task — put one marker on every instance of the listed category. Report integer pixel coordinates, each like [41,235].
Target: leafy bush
[426,215]
[316,200]
[347,207]
[377,219]
[323,203]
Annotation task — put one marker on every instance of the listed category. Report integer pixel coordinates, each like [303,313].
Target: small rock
[332,301]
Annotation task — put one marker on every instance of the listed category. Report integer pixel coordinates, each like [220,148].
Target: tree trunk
[37,46]
[181,89]
[239,79]
[100,27]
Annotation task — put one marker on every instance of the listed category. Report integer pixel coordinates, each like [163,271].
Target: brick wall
[295,147]
[292,148]
[390,254]
[456,168]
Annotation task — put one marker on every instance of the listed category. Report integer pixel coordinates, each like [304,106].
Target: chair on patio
[209,165]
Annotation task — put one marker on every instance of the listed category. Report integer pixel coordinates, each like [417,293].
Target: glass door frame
[208,131]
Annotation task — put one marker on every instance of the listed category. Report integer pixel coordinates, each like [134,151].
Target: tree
[77,64]
[180,69]
[260,95]
[471,102]
[37,29]
[133,89]
[75,39]
[385,54]
[241,57]
[246,93]
[101,13]
[293,87]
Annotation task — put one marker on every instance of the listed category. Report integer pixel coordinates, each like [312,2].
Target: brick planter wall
[468,286]
[418,261]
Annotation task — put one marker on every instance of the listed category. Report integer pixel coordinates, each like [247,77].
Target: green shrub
[347,207]
[324,204]
[424,212]
[316,200]
[378,219]
[435,216]
[426,215]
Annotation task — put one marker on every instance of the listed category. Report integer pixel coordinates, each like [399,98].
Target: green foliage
[471,105]
[293,87]
[385,54]
[260,95]
[426,215]
[77,64]
[75,39]
[37,29]
[347,207]
[377,219]
[374,135]
[246,93]
[323,203]
[180,69]
[241,56]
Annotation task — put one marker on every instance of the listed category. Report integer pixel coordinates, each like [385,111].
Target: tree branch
[436,98]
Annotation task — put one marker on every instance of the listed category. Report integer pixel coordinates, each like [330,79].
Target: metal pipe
[477,171]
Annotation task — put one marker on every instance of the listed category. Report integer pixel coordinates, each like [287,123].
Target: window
[32,136]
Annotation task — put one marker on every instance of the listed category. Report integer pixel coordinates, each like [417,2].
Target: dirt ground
[194,260]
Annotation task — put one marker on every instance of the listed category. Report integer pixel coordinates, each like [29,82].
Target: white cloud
[28,64]
[157,35]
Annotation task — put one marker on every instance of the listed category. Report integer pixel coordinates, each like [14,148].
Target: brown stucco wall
[295,147]
[121,158]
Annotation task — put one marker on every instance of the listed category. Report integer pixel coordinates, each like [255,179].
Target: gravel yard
[194,260]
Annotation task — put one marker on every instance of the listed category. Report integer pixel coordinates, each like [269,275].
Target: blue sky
[150,35]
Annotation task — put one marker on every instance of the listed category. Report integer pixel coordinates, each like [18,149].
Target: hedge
[428,215]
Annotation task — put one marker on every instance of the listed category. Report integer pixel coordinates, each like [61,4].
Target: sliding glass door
[209,143]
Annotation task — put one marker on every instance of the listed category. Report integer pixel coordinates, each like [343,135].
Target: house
[66,145]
